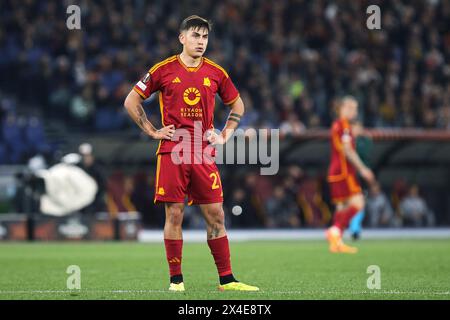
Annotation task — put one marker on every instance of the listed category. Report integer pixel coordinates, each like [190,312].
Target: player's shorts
[342,190]
[200,183]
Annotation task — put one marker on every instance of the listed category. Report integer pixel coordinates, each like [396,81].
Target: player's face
[194,41]
[350,110]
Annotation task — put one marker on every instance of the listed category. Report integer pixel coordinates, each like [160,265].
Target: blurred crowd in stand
[288,58]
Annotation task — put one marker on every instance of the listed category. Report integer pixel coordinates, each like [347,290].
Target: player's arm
[230,96]
[354,158]
[133,104]
[234,117]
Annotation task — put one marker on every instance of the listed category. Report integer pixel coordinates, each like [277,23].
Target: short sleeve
[227,91]
[148,84]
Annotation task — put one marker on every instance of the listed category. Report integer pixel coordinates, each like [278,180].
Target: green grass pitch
[410,269]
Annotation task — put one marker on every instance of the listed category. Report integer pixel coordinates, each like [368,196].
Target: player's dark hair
[195,22]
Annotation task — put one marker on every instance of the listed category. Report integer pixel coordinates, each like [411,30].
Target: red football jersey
[187,96]
[340,168]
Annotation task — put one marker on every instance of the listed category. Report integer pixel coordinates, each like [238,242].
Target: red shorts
[343,189]
[199,182]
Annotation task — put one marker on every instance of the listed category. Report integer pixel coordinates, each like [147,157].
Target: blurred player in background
[364,145]
[187,85]
[345,190]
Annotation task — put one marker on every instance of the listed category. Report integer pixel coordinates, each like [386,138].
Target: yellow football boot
[237,286]
[176,286]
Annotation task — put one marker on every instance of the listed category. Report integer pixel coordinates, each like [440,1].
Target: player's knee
[175,216]
[217,217]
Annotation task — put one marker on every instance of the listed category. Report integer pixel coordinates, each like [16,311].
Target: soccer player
[187,85]
[345,163]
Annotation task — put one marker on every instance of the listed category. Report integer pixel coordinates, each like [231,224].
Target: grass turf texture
[410,269]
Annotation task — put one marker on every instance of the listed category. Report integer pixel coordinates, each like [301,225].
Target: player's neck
[189,61]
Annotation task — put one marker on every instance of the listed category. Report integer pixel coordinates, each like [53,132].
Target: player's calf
[173,242]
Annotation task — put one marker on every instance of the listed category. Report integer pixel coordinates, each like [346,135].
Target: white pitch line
[377,292]
[81,291]
[237,235]
[362,292]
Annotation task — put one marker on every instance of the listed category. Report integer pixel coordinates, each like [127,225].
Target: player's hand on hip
[165,133]
[368,175]
[215,138]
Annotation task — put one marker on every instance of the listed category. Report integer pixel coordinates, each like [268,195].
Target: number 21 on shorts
[216,180]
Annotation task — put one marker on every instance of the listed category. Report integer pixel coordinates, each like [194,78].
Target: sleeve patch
[346,138]
[146,78]
[141,86]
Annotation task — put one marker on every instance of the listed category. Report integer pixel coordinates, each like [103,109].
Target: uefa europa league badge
[146,78]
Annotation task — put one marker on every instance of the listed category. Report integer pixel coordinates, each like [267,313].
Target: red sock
[221,253]
[174,249]
[343,217]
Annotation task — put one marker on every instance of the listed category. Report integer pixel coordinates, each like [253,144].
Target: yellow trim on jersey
[160,64]
[342,158]
[161,109]
[190,69]
[217,66]
[140,93]
[232,101]
[337,141]
[158,168]
[344,174]
[159,147]
[353,185]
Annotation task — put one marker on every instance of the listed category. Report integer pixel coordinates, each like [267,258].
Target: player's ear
[182,37]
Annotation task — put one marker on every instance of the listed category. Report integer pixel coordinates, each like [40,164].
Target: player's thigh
[171,180]
[357,201]
[205,184]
